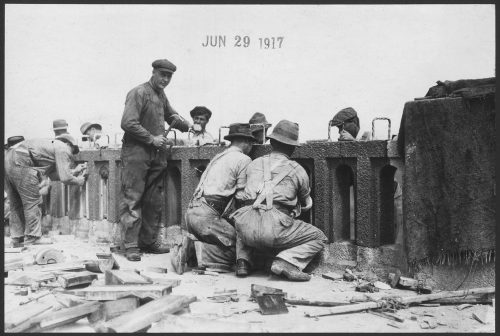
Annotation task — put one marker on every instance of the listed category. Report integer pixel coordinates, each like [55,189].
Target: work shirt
[52,158]
[225,174]
[145,113]
[292,189]
[200,138]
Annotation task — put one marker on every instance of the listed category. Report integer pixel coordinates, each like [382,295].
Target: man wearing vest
[276,191]
[206,217]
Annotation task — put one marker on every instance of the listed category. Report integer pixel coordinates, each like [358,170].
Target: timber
[148,313]
[75,279]
[121,277]
[406,300]
[24,313]
[69,315]
[120,291]
[303,302]
[112,309]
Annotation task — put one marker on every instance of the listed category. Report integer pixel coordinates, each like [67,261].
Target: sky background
[79,61]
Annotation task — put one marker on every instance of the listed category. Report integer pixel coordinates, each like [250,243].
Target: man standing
[25,165]
[201,115]
[144,159]
[206,216]
[283,186]
[259,126]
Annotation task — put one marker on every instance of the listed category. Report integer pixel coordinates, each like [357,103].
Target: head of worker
[347,121]
[70,141]
[163,70]
[285,137]
[11,141]
[241,136]
[259,125]
[201,115]
[60,126]
[92,130]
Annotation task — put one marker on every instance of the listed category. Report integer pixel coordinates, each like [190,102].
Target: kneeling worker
[277,190]
[223,178]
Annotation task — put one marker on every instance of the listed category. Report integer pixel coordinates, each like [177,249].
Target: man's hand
[81,180]
[79,169]
[159,141]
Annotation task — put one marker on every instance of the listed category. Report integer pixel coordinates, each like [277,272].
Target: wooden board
[76,278]
[112,309]
[27,278]
[24,313]
[67,267]
[115,292]
[257,290]
[160,279]
[124,277]
[69,315]
[148,313]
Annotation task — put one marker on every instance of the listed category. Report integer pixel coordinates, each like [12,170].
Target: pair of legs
[296,242]
[216,234]
[21,185]
[142,196]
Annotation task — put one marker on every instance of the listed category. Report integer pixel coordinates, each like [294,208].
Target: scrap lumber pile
[60,293]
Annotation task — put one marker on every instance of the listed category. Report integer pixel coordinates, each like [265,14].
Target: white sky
[79,61]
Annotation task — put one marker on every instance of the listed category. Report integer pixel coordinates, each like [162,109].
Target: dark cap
[59,124]
[239,130]
[88,125]
[200,110]
[259,118]
[164,65]
[11,141]
[286,132]
[347,114]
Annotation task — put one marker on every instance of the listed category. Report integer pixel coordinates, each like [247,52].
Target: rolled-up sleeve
[241,177]
[63,158]
[131,115]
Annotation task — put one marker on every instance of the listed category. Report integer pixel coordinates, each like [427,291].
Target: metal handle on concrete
[220,128]
[257,125]
[388,127]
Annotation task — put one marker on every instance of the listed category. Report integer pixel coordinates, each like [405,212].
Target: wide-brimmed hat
[286,132]
[239,130]
[11,141]
[200,110]
[87,125]
[59,124]
[68,138]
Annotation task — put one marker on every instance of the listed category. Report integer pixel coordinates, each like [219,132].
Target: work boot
[17,241]
[157,248]
[242,268]
[33,240]
[290,271]
[133,254]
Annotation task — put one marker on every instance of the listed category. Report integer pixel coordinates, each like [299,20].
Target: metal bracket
[329,130]
[220,128]
[258,125]
[388,127]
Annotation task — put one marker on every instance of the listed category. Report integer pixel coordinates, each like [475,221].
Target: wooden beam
[123,277]
[119,291]
[76,279]
[148,313]
[24,313]
[112,309]
[69,315]
[406,300]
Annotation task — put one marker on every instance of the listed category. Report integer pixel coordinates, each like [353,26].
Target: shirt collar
[280,154]
[234,149]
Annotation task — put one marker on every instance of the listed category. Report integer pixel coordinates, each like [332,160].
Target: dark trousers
[142,193]
[21,185]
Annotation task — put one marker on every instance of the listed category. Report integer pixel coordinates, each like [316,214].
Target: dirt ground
[204,315]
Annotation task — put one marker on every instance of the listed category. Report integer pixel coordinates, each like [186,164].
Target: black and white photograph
[249,168]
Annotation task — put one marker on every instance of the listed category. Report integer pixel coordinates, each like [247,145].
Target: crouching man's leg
[298,244]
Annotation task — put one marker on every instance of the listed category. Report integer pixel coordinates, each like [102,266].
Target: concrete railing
[352,188]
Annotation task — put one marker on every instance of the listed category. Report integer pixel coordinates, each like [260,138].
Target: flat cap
[164,65]
[200,110]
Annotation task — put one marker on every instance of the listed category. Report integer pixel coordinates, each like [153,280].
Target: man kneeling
[277,190]
[206,217]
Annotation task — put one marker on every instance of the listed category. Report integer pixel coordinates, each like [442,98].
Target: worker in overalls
[276,192]
[144,160]
[206,216]
[25,165]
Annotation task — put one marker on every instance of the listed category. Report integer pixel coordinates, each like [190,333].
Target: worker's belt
[287,210]
[218,203]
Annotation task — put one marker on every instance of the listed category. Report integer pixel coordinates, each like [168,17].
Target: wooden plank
[67,267]
[112,309]
[28,278]
[333,276]
[158,278]
[148,313]
[257,290]
[123,277]
[405,300]
[76,279]
[387,316]
[115,292]
[15,249]
[303,302]
[30,323]
[24,313]
[69,315]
